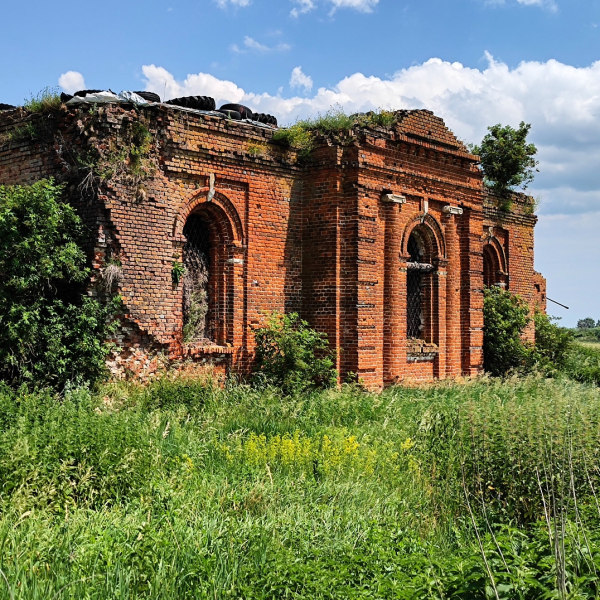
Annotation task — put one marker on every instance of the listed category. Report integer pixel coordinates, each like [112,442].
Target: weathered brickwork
[383,239]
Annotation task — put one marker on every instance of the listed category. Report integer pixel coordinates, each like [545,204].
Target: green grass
[47,100]
[335,121]
[186,490]
[583,362]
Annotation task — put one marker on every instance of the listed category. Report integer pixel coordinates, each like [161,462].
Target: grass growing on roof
[46,100]
[300,135]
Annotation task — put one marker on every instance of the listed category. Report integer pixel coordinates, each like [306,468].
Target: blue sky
[473,62]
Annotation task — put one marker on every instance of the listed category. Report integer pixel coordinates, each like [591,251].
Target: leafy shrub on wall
[50,333]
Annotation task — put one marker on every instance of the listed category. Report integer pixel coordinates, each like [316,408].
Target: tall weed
[184,489]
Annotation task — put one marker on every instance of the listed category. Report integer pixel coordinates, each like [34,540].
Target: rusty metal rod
[555,302]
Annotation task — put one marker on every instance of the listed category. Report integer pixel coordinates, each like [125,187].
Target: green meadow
[484,488]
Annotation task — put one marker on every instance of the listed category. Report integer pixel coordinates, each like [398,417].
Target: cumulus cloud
[160,81]
[250,44]
[301,80]
[71,82]
[304,6]
[561,102]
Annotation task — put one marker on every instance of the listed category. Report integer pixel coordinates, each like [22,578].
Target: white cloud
[561,102]
[226,3]
[160,81]
[250,44]
[304,6]
[71,82]
[360,5]
[550,4]
[301,80]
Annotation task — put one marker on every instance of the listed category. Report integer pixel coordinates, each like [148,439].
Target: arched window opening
[418,283]
[197,321]
[491,267]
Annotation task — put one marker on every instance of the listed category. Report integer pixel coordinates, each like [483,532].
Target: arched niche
[210,236]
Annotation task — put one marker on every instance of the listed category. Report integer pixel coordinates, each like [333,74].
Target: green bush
[505,318]
[553,344]
[50,333]
[292,356]
[583,364]
[297,137]
[507,160]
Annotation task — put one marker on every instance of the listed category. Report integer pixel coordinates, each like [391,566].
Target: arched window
[419,287]
[493,267]
[197,254]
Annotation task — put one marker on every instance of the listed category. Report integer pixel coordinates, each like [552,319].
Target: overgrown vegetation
[28,132]
[553,344]
[557,352]
[292,356]
[183,490]
[47,100]
[177,271]
[335,121]
[195,295]
[128,161]
[256,150]
[505,317]
[507,159]
[50,333]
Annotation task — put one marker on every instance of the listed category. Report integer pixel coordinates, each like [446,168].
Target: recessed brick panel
[316,237]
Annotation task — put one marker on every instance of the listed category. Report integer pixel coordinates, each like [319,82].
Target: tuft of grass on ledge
[335,121]
[46,100]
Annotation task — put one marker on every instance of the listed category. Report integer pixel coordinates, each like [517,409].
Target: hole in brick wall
[197,324]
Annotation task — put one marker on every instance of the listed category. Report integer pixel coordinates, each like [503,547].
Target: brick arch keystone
[220,206]
[494,244]
[428,222]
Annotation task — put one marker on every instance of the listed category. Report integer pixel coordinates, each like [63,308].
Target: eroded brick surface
[327,237]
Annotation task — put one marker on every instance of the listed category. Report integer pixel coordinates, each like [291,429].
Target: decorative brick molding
[421,351]
[327,237]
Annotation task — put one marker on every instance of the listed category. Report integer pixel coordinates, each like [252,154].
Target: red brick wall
[316,237]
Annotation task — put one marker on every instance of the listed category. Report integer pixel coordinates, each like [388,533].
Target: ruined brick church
[381,237]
